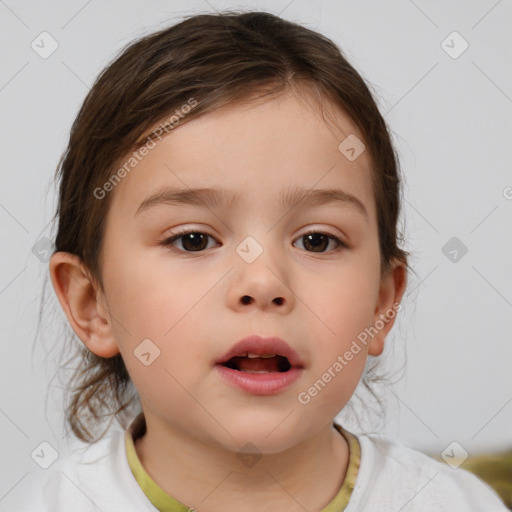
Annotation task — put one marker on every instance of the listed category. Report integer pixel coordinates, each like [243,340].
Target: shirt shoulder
[393,476]
[88,478]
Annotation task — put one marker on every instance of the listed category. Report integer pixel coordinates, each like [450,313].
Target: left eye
[319,241]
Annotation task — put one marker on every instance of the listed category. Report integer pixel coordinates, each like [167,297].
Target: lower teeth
[254,371]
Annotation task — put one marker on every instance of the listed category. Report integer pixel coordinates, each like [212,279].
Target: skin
[189,303]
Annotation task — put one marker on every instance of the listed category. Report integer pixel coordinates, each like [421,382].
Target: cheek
[341,304]
[151,299]
[169,308]
[161,386]
[344,303]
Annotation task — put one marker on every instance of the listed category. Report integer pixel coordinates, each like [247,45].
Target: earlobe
[79,299]
[392,288]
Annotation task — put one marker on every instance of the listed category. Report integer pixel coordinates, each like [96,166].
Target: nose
[262,284]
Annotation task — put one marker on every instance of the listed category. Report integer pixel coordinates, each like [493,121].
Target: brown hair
[217,59]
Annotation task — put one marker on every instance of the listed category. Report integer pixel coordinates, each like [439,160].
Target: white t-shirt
[391,478]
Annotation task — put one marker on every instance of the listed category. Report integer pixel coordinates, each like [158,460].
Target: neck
[210,478]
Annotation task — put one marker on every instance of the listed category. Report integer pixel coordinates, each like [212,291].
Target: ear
[392,288]
[83,303]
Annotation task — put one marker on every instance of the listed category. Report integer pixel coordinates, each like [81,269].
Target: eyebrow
[213,197]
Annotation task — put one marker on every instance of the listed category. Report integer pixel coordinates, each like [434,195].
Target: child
[227,244]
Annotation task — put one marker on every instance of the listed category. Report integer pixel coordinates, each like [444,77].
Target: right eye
[191,241]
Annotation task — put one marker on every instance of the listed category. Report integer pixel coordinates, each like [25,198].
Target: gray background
[451,121]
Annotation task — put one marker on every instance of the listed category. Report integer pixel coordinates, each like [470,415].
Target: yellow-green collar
[166,503]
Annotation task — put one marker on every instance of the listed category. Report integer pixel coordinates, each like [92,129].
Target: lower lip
[259,383]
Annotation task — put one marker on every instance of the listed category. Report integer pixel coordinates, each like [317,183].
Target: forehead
[255,150]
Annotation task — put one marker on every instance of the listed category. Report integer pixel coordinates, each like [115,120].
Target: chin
[270,432]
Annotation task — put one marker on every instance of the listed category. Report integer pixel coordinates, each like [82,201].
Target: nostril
[246,299]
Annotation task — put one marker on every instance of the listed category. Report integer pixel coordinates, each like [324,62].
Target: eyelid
[326,230]
[185,231]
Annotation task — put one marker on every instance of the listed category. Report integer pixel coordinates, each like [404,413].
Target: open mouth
[254,363]
[260,366]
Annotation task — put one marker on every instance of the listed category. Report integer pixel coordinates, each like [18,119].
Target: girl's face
[175,308]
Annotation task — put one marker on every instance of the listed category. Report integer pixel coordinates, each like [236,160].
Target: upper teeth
[251,355]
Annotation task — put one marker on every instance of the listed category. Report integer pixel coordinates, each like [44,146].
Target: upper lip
[255,344]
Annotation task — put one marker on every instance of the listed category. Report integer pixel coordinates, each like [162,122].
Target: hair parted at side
[218,60]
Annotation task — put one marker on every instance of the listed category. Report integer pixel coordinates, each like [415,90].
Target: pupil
[197,241]
[315,240]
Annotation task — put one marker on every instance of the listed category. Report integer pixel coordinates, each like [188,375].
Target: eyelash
[175,236]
